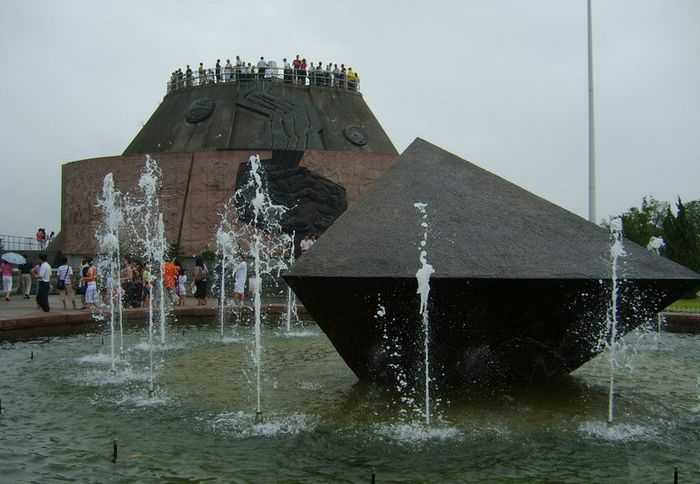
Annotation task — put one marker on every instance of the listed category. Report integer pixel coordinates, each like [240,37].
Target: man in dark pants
[44,276]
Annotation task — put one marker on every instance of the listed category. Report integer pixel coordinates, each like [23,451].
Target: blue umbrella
[13,258]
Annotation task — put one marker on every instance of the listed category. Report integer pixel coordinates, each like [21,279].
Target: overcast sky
[501,83]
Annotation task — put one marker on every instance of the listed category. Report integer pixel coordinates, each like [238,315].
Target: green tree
[692,209]
[681,237]
[641,224]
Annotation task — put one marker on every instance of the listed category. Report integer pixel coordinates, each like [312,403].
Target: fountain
[146,224]
[291,298]
[306,374]
[617,250]
[225,242]
[108,241]
[423,277]
[267,249]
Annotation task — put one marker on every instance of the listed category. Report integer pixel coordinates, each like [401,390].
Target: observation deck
[348,80]
[280,109]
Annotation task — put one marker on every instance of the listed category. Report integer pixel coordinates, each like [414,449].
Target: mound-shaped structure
[202,137]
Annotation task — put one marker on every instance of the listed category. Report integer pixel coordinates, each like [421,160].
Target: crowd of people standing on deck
[298,71]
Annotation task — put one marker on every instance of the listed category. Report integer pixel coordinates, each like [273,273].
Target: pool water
[63,409]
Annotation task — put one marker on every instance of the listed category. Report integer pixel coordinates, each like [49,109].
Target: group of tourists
[136,287]
[41,271]
[296,72]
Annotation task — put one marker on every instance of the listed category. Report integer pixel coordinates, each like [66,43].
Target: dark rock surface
[314,201]
[256,116]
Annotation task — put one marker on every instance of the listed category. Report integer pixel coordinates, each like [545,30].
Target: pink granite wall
[195,186]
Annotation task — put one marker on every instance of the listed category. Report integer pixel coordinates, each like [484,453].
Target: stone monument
[321,145]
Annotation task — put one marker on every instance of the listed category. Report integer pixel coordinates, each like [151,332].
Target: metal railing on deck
[19,243]
[244,74]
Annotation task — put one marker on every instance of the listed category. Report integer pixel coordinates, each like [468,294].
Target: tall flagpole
[591,126]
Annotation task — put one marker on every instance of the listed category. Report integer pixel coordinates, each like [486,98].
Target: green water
[63,409]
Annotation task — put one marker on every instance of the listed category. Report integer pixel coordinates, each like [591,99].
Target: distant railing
[244,74]
[19,243]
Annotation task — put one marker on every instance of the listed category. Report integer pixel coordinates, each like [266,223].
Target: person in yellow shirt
[353,78]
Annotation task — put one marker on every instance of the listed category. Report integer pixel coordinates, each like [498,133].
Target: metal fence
[244,74]
[19,243]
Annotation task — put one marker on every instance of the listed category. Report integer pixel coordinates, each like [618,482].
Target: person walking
[44,276]
[200,280]
[6,269]
[65,283]
[25,277]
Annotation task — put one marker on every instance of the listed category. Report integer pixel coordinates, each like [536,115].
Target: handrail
[19,243]
[244,74]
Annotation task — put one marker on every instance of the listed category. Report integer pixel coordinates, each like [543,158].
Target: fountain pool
[63,409]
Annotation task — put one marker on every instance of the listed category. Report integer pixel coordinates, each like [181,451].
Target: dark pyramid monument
[521,286]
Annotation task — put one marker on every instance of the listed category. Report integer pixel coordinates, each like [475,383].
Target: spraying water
[146,221]
[617,250]
[291,299]
[267,250]
[656,245]
[109,204]
[226,244]
[423,277]
[153,237]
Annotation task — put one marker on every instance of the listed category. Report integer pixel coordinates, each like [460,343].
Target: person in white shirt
[271,70]
[237,69]
[312,74]
[262,67]
[43,274]
[305,244]
[64,283]
[90,280]
[239,280]
[181,287]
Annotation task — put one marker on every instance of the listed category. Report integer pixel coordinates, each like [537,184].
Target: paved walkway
[20,313]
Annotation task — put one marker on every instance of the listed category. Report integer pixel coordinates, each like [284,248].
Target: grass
[686,305]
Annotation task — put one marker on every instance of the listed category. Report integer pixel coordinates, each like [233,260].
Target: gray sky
[501,83]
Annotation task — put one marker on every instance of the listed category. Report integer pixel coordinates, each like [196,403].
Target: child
[181,288]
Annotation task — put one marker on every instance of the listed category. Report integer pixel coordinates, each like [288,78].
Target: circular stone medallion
[200,110]
[355,135]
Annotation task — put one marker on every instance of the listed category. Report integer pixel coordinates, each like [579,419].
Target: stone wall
[195,187]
